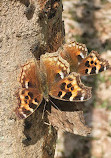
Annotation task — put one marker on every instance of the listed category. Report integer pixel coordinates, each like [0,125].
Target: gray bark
[28,29]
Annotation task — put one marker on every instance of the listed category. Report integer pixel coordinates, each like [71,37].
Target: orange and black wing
[92,64]
[30,95]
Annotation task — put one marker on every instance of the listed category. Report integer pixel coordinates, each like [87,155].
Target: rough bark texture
[28,29]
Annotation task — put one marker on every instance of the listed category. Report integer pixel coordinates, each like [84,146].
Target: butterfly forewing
[70,89]
[54,67]
[30,96]
[73,53]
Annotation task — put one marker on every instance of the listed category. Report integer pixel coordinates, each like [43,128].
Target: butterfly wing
[53,68]
[30,96]
[92,64]
[70,89]
[73,53]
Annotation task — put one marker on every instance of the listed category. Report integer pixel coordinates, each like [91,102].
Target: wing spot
[81,54]
[57,76]
[67,95]
[30,94]
[69,85]
[59,94]
[101,69]
[92,62]
[63,86]
[95,63]
[29,84]
[26,97]
[104,68]
[23,92]
[35,100]
[79,57]
[25,111]
[86,71]
[26,84]
[82,98]
[32,106]
[78,96]
[87,64]
[93,70]
[91,56]
[25,101]
[61,74]
[72,88]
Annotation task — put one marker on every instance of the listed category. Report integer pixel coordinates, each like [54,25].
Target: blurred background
[89,22]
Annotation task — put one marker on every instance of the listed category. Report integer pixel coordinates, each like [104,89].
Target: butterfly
[57,75]
[76,55]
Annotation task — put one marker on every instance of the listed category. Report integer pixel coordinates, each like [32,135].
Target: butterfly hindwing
[70,89]
[92,64]
[30,96]
[29,100]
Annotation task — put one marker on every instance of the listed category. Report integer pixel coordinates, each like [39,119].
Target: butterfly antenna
[44,110]
[55,105]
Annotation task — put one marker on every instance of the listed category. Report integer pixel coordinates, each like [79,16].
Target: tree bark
[28,29]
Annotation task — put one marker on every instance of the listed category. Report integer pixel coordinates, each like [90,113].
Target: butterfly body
[54,76]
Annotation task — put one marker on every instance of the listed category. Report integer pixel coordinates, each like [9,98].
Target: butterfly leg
[48,124]
[43,110]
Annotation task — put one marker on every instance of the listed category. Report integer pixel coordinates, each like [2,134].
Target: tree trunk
[28,29]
